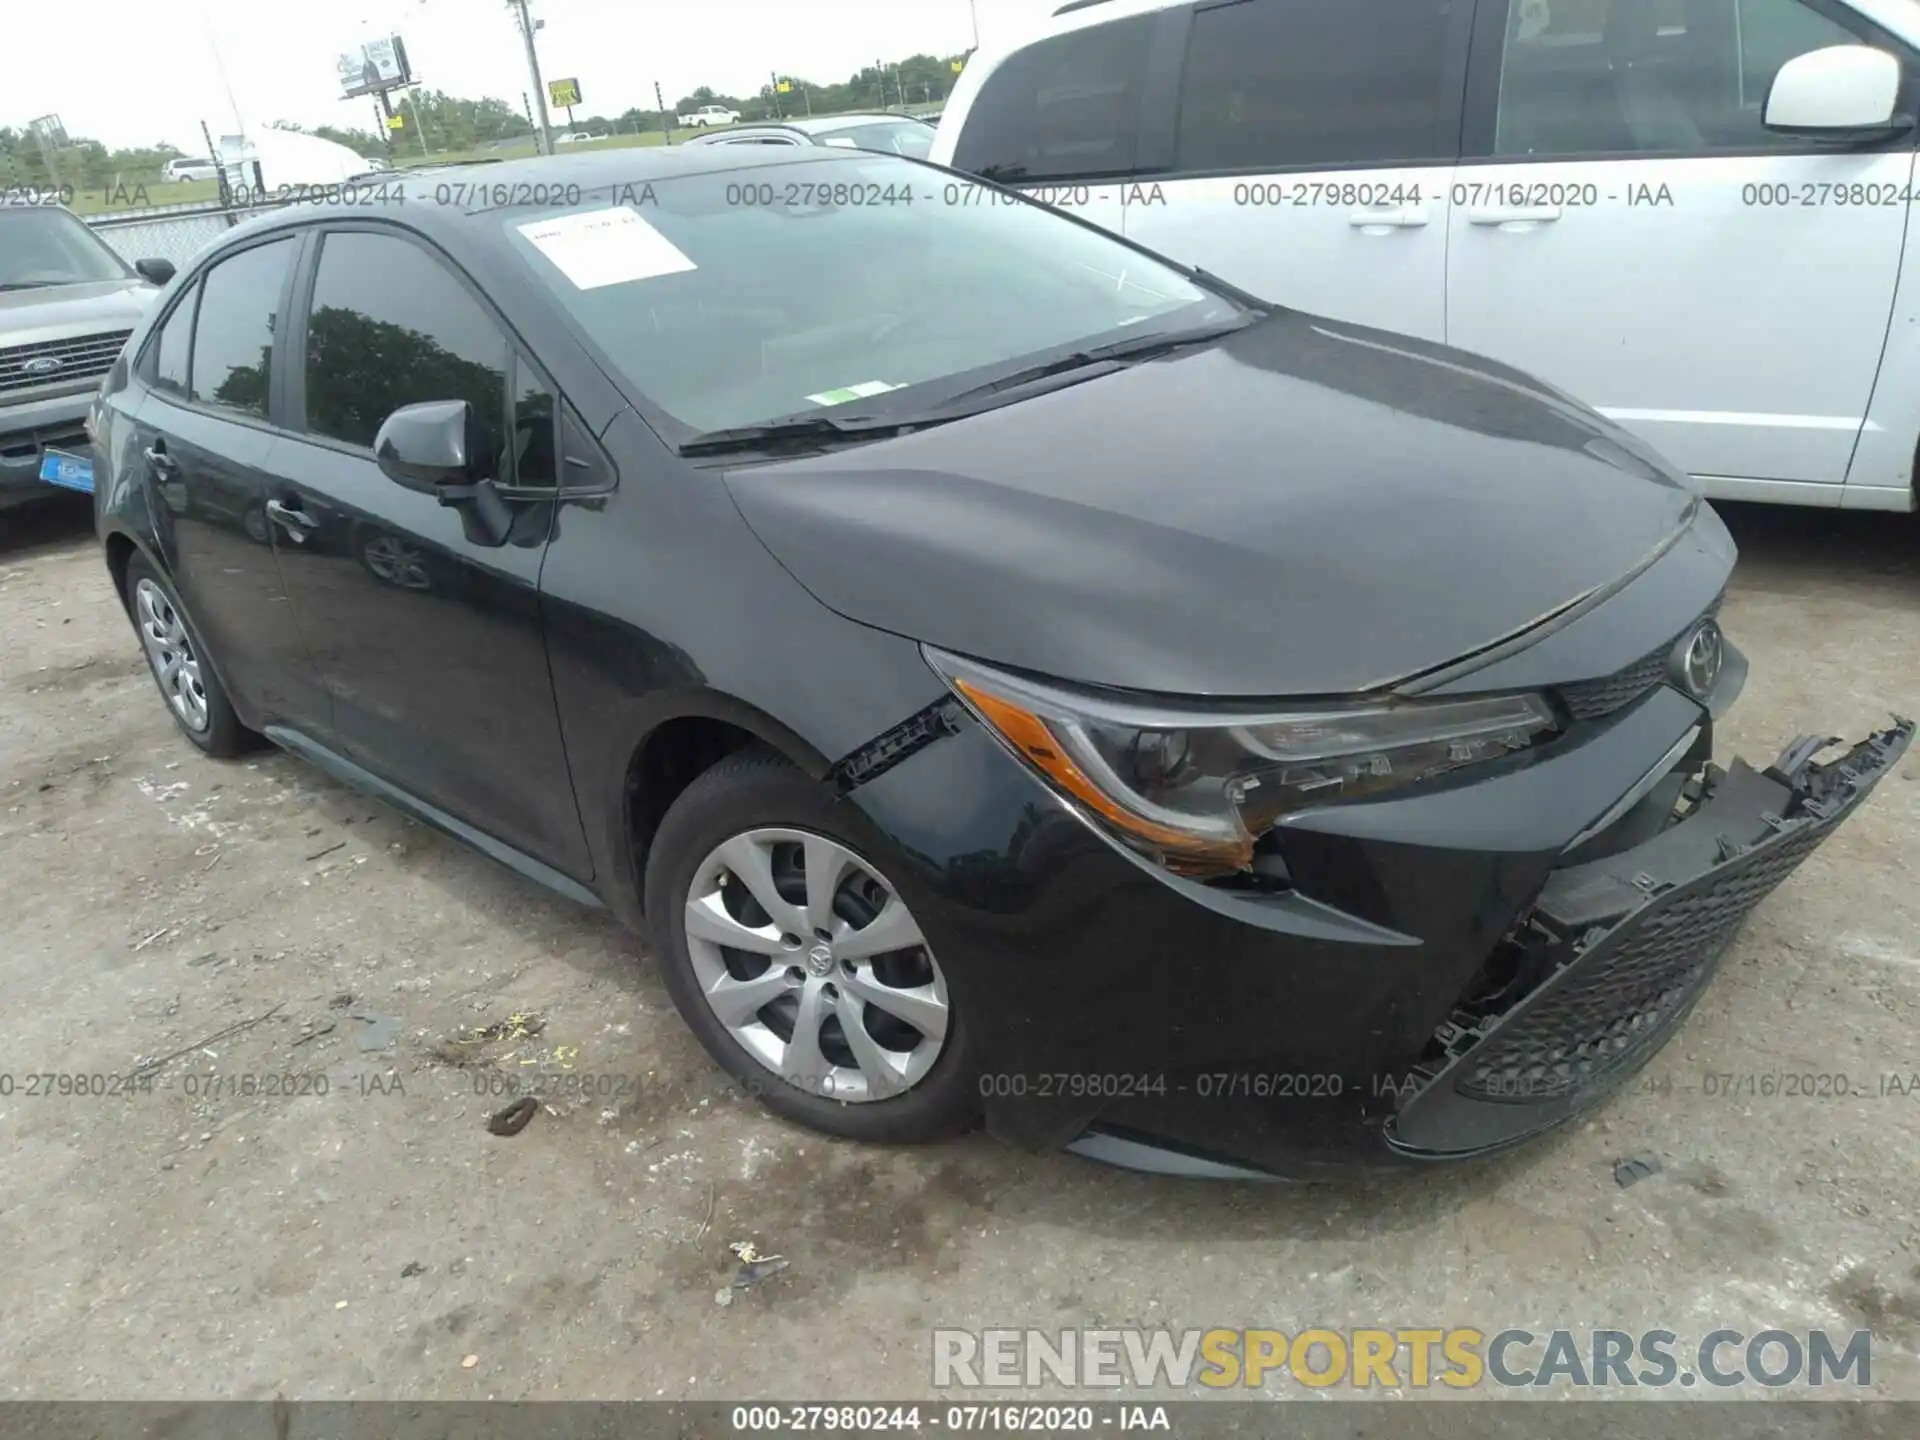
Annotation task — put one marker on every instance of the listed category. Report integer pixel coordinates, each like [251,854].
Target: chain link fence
[170,232]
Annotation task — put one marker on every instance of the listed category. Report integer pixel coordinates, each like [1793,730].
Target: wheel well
[119,556]
[671,759]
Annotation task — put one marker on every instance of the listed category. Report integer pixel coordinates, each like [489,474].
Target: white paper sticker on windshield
[606,247]
[841,142]
[852,392]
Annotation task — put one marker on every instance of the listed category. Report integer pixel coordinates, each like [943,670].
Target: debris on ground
[754,1267]
[1635,1168]
[341,1001]
[314,1029]
[377,1031]
[522,1025]
[513,1119]
[411,1269]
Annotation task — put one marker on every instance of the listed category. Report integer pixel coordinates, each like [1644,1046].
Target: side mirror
[158,271]
[430,448]
[1844,92]
[428,445]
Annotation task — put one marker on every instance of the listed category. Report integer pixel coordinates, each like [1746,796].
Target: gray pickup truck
[67,305]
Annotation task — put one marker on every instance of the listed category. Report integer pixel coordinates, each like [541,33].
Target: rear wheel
[177,661]
[798,964]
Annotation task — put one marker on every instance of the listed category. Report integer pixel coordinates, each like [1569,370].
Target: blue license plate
[74,472]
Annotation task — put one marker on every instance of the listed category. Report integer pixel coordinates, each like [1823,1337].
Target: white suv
[1692,214]
[189,167]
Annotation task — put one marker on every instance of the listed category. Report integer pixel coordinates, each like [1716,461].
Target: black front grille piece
[53,362]
[1592,699]
[1616,950]
[1624,996]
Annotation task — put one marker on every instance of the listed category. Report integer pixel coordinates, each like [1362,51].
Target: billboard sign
[375,66]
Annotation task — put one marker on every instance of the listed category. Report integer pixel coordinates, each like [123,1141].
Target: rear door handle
[1387,219]
[162,463]
[295,522]
[1514,215]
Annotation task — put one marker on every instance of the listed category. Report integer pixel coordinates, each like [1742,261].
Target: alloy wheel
[396,562]
[814,965]
[170,652]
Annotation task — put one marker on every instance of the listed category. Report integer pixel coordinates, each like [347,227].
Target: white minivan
[1691,214]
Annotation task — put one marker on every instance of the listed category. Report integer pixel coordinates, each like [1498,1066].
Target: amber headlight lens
[1194,788]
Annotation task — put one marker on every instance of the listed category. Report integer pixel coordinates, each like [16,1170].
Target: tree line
[438,123]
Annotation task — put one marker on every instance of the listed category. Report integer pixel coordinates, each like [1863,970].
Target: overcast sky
[132,73]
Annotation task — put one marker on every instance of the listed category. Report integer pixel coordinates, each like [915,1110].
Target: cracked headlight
[1194,788]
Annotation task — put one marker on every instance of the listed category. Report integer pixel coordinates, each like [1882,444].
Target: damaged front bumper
[1613,953]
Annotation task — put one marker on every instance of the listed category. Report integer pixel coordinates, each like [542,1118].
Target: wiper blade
[1133,348]
[28,284]
[794,427]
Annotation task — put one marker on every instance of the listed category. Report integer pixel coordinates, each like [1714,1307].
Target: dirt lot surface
[252,921]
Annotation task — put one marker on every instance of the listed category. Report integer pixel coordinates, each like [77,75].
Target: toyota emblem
[1700,662]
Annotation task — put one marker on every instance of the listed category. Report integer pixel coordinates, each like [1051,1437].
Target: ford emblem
[42,365]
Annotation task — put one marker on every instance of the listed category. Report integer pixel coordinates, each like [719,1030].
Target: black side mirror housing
[431,448]
[158,271]
[427,445]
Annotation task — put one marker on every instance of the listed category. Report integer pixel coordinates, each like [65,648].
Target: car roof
[805,125]
[821,124]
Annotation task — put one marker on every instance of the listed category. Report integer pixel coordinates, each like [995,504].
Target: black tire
[755,789]
[223,736]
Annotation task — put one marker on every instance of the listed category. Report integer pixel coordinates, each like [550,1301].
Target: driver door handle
[1514,215]
[1387,219]
[162,463]
[295,522]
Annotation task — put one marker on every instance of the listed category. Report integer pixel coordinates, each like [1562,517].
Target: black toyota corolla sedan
[1007,673]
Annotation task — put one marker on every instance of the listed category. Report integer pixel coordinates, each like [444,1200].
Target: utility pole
[519,8]
[666,120]
[773,93]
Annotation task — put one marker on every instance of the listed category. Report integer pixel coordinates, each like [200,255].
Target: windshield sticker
[853,392]
[840,142]
[606,247]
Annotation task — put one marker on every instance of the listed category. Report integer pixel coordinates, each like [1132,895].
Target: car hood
[54,312]
[1304,508]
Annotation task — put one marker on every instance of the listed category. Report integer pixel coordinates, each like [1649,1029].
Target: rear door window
[234,332]
[1290,84]
[168,365]
[1066,107]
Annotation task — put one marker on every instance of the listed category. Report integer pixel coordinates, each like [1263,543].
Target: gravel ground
[219,1236]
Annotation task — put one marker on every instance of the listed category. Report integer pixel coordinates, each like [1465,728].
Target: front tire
[176,659]
[797,963]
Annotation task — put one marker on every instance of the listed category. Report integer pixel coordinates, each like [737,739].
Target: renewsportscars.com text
[1456,1358]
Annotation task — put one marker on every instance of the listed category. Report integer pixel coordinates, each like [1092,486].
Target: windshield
[47,246]
[760,292]
[888,137]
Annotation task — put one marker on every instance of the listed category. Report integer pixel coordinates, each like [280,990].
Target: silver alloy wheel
[170,653]
[814,964]
[396,562]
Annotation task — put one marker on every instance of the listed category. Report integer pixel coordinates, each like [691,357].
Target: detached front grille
[50,362]
[1613,953]
[1615,1005]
